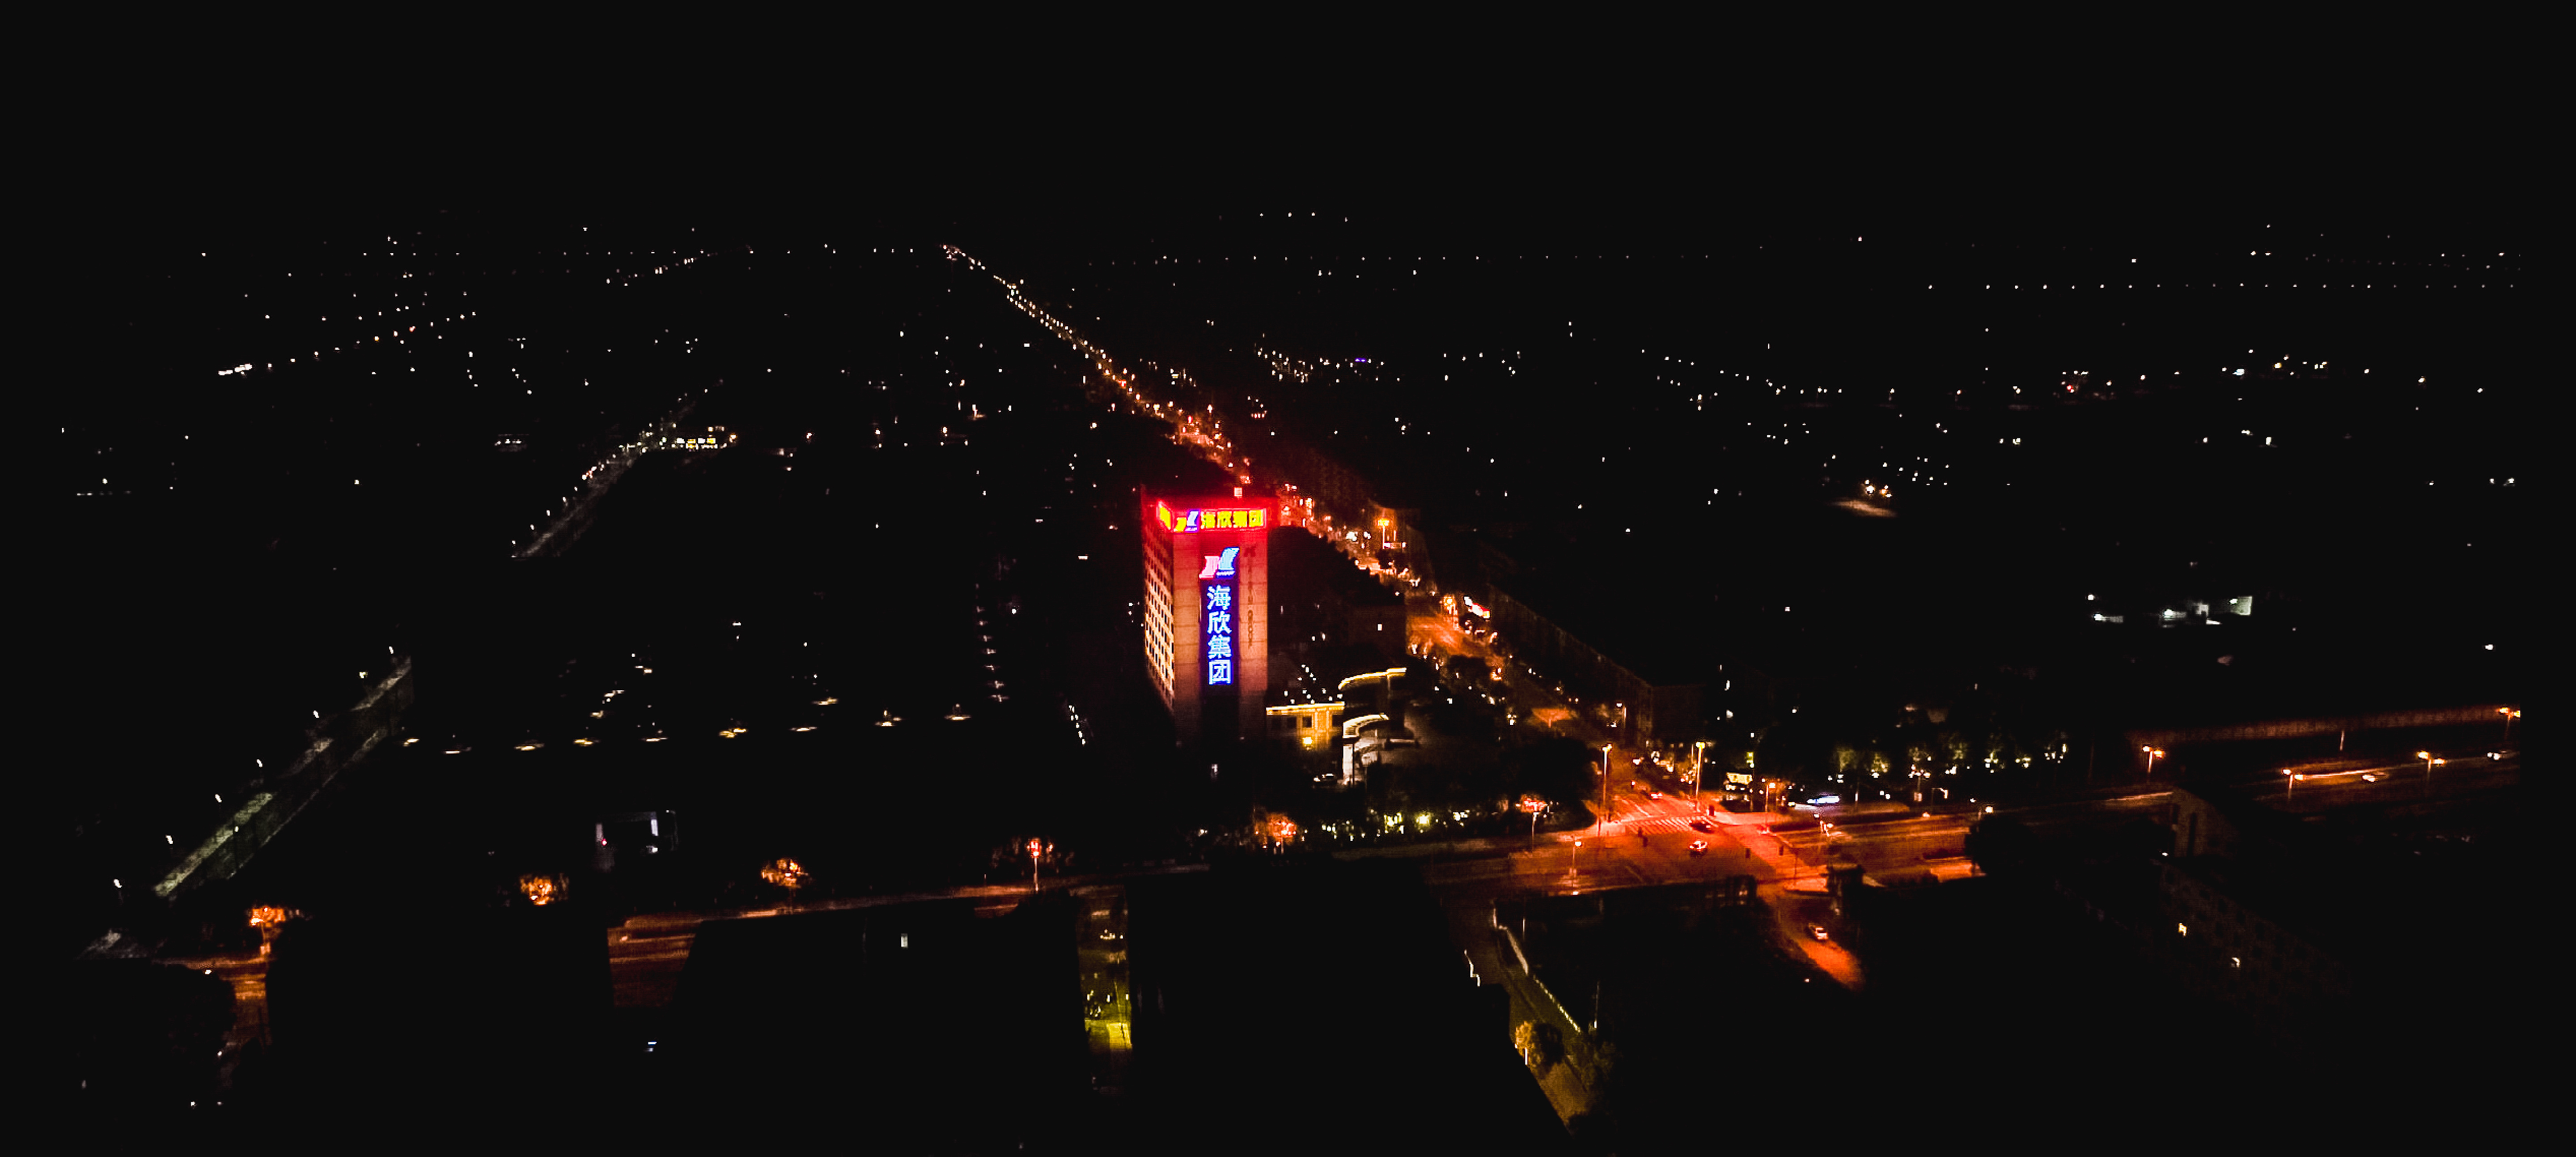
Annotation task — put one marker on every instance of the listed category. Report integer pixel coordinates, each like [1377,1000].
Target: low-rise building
[1633,673]
[1324,602]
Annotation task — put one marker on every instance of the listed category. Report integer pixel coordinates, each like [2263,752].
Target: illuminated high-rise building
[1207,612]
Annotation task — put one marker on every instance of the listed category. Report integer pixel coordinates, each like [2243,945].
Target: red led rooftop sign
[1222,518]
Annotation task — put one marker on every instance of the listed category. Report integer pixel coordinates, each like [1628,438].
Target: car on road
[1817,931]
[1699,847]
[1702,826]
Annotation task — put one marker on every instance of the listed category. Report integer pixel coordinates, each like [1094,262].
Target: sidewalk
[679,918]
[1500,959]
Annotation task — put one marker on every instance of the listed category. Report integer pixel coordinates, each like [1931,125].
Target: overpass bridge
[2321,725]
[339,743]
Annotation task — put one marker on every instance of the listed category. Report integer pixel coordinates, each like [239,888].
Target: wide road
[1648,836]
[2310,788]
[647,953]
[1649,842]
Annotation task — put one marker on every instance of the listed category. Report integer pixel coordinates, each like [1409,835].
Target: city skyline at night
[1642,643]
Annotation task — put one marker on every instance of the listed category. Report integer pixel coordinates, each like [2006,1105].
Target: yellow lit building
[1311,726]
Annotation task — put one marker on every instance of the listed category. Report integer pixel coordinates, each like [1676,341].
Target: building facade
[1207,612]
[1642,708]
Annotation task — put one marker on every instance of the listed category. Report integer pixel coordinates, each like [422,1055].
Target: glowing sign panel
[1193,521]
[1219,565]
[1218,618]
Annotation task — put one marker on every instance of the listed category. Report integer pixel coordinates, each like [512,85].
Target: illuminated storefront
[1207,622]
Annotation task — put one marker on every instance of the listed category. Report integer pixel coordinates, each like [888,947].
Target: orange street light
[2152,754]
[269,921]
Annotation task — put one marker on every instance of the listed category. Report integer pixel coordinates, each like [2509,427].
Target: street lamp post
[1600,823]
[2429,762]
[1035,847]
[1533,805]
[2510,714]
[2152,753]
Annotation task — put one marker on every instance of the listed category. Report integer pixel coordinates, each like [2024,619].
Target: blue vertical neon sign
[1217,616]
[1218,600]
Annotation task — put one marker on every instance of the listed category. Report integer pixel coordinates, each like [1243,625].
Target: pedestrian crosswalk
[1632,822]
